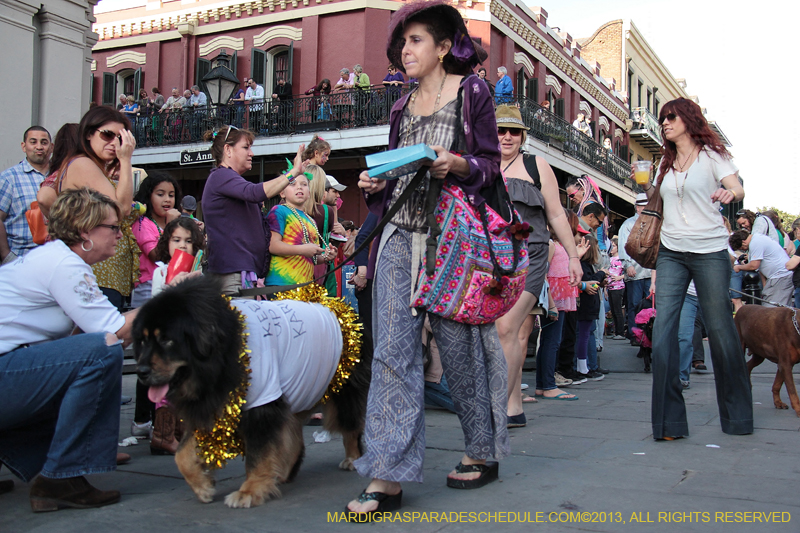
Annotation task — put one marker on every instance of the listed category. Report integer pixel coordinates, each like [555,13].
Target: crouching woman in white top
[59,417]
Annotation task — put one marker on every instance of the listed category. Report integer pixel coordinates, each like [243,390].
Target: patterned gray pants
[474,367]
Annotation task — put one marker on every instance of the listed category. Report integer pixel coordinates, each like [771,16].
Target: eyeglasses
[515,132]
[108,136]
[669,116]
[112,227]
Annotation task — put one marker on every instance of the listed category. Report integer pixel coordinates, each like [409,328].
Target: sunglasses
[515,132]
[740,214]
[669,116]
[112,227]
[226,133]
[108,136]
[573,195]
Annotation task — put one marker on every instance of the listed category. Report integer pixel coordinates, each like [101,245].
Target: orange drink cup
[641,171]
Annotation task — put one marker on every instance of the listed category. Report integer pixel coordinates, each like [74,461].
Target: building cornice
[224,16]
[585,83]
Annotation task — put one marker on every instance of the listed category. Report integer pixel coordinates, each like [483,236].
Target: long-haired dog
[188,341]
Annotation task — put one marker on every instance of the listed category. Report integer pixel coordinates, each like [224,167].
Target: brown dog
[770,333]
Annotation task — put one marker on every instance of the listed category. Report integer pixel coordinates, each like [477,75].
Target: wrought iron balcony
[274,117]
[645,129]
[349,110]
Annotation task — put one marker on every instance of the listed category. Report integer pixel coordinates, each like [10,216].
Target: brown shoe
[163,441]
[123,458]
[75,492]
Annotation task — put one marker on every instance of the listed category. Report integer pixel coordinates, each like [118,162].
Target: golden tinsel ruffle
[348,322]
[215,447]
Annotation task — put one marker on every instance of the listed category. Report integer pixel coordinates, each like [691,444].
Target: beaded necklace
[683,185]
[432,125]
[306,237]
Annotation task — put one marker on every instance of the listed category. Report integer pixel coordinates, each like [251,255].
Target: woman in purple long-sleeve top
[451,109]
[237,239]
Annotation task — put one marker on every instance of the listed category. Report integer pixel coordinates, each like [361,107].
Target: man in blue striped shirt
[18,187]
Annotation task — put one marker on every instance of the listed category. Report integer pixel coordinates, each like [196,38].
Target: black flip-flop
[386,503]
[489,472]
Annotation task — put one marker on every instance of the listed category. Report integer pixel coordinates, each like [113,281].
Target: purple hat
[466,52]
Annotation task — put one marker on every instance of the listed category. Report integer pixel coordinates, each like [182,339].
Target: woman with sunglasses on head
[533,188]
[696,174]
[238,240]
[450,109]
[102,161]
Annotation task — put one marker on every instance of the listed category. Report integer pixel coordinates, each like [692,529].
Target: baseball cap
[333,184]
[189,203]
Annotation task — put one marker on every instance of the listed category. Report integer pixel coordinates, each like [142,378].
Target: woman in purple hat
[451,109]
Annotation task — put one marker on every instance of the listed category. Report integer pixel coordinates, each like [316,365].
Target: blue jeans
[600,323]
[711,273]
[60,411]
[797,296]
[686,333]
[438,395]
[636,290]
[736,283]
[549,340]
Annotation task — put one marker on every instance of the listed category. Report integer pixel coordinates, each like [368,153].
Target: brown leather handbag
[645,238]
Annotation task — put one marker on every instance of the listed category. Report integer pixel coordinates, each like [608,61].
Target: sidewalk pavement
[587,465]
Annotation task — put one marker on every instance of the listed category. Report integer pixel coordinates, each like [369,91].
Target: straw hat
[508,116]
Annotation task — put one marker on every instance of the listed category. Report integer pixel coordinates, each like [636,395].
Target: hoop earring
[441,58]
[83,246]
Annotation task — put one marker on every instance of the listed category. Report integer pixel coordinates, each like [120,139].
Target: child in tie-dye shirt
[294,243]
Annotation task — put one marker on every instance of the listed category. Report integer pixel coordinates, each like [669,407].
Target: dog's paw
[780,405]
[205,494]
[243,500]
[347,464]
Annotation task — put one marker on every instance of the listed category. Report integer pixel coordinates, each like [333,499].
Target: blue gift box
[392,164]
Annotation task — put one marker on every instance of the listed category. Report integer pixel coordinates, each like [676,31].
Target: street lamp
[220,82]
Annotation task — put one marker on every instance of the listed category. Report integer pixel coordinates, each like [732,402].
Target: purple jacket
[482,146]
[236,236]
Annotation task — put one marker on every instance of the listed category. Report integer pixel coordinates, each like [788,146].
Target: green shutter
[258,65]
[109,88]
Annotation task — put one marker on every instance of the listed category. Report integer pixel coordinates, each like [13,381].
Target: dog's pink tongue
[156,394]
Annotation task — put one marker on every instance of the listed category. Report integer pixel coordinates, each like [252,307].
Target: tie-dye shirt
[293,268]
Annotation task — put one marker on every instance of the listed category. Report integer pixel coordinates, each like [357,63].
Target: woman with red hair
[696,174]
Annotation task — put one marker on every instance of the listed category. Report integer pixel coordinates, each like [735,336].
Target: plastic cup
[641,171]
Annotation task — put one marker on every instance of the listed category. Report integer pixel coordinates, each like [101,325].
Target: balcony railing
[646,124]
[552,129]
[353,110]
[274,117]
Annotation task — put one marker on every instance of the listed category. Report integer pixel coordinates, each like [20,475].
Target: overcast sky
[737,57]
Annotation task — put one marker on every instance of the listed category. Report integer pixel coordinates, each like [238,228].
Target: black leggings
[615,298]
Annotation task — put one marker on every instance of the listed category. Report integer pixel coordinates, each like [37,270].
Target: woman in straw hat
[451,109]
[533,188]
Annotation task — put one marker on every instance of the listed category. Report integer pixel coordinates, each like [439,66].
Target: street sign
[192,157]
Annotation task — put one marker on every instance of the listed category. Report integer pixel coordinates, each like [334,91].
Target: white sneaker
[523,386]
[141,431]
